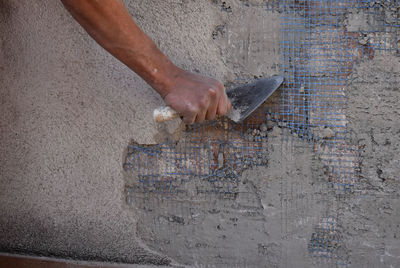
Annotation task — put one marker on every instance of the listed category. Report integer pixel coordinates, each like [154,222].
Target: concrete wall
[69,109]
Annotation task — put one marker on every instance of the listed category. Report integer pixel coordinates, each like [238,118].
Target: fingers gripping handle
[162,114]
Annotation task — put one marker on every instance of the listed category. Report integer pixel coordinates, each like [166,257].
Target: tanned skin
[195,97]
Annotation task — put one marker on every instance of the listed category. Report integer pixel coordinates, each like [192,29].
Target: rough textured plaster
[266,222]
[371,216]
[68,110]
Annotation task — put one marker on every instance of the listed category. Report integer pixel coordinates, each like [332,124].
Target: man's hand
[193,96]
[196,97]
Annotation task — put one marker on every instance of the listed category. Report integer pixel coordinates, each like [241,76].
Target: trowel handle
[166,113]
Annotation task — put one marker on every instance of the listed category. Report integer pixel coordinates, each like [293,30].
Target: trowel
[244,98]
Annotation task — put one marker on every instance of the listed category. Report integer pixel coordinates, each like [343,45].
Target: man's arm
[194,97]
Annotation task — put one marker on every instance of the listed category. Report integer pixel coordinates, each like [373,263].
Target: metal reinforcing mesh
[321,41]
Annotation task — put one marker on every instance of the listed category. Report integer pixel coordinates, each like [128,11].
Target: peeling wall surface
[310,180]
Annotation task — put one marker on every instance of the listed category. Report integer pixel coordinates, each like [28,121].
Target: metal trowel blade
[248,97]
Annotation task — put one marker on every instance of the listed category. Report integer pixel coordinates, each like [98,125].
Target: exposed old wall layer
[287,188]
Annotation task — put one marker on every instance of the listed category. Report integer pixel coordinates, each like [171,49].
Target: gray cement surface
[244,230]
[25,261]
[68,111]
[372,215]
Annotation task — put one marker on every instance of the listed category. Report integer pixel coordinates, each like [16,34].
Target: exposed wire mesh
[321,41]
[214,154]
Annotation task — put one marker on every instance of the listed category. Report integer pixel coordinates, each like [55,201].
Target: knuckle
[222,110]
[191,109]
[220,87]
[202,103]
[212,92]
